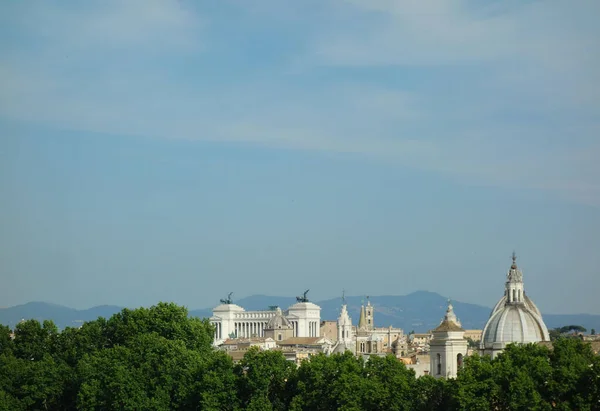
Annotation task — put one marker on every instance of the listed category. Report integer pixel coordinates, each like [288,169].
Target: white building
[232,321]
[514,319]
[346,340]
[447,347]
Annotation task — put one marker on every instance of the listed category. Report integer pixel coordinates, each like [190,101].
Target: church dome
[515,318]
[513,323]
[278,321]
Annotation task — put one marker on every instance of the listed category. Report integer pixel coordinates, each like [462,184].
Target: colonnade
[246,329]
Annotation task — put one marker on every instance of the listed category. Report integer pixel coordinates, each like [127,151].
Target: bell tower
[448,347]
[344,325]
[369,315]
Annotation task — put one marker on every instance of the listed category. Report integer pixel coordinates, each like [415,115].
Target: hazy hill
[419,311]
[62,316]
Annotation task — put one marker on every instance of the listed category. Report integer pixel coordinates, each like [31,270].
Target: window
[439,364]
[279,336]
[459,361]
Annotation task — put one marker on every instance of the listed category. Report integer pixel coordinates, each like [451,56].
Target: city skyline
[173,150]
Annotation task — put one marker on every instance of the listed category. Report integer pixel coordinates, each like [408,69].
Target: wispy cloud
[491,92]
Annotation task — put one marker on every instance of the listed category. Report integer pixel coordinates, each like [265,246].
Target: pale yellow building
[474,335]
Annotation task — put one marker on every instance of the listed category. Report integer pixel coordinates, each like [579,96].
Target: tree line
[159,358]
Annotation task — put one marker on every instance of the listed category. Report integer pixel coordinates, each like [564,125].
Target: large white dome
[514,319]
[513,323]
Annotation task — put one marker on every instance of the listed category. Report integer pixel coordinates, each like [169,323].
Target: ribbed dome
[513,323]
[515,318]
[278,321]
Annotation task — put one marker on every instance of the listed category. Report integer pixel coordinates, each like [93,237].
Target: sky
[164,150]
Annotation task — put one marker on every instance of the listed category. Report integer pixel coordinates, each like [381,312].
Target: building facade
[232,321]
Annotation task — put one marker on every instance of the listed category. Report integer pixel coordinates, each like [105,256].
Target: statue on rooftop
[227,300]
[303,299]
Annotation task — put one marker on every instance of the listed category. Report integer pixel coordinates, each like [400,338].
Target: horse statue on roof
[303,299]
[227,300]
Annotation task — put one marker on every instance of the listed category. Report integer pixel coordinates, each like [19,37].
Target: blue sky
[177,150]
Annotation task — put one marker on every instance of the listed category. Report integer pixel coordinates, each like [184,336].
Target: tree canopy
[159,358]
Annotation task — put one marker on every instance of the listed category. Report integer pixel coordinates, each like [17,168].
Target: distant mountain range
[419,311]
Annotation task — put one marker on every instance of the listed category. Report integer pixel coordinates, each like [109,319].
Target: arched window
[439,364]
[459,361]
[514,295]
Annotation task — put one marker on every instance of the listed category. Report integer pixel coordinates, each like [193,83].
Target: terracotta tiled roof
[301,341]
[236,341]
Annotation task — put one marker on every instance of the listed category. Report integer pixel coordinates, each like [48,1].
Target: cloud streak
[500,95]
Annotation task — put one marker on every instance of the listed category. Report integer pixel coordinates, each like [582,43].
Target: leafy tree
[522,373]
[33,340]
[472,344]
[572,328]
[10,403]
[476,388]
[6,343]
[215,386]
[593,331]
[165,319]
[326,383]
[32,384]
[263,377]
[152,373]
[430,393]
[574,367]
[554,334]
[388,384]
